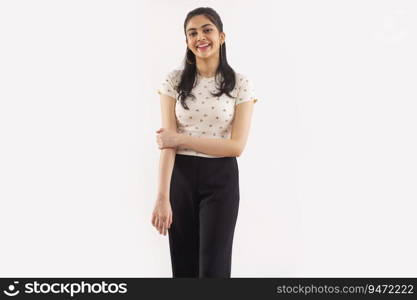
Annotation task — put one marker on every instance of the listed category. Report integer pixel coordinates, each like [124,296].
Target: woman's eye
[193,33]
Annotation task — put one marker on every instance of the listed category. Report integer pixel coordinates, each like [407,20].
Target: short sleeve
[245,90]
[168,85]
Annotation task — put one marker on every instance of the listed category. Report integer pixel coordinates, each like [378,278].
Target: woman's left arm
[224,147]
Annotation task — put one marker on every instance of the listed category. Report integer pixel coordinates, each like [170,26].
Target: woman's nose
[201,37]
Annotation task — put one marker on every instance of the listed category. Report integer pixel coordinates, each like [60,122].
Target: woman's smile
[204,48]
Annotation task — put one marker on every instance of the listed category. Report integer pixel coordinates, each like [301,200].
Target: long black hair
[189,73]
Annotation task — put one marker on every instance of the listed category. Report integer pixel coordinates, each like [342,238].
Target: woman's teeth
[204,47]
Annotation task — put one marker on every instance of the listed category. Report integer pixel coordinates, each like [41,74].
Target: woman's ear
[222,37]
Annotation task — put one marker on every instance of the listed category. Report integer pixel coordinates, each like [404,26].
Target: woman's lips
[204,48]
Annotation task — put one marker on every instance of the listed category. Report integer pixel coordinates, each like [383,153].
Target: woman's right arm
[162,215]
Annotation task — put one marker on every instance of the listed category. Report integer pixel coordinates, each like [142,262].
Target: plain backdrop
[327,179]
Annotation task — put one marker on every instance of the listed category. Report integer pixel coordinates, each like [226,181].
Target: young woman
[206,113]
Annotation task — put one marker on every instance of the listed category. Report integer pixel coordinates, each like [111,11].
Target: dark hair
[189,73]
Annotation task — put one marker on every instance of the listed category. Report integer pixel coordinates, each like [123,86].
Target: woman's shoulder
[243,81]
[241,77]
[174,74]
[245,88]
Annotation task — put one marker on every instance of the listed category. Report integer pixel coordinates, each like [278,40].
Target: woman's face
[201,31]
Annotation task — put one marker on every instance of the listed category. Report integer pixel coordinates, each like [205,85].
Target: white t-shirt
[208,116]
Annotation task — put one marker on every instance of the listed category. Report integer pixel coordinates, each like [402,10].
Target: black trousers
[204,197]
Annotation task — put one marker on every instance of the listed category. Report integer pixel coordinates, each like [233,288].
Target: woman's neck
[207,68]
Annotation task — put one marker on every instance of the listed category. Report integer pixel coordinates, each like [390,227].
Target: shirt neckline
[206,78]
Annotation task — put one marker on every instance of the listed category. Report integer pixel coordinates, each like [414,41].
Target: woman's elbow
[239,151]
[237,148]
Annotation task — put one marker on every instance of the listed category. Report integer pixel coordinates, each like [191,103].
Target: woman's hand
[167,138]
[162,215]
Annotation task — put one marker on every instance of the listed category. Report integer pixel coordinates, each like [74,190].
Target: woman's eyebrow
[201,27]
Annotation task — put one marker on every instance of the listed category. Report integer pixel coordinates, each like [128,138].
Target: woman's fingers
[161,229]
[157,223]
[165,225]
[162,224]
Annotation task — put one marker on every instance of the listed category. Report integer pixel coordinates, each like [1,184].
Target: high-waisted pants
[204,197]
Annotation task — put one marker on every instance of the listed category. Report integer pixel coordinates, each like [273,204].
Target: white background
[328,177]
